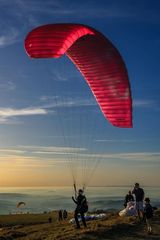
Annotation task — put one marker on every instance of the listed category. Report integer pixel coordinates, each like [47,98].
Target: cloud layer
[7,114]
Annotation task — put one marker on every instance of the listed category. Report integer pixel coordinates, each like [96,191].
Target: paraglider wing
[97,59]
[20,204]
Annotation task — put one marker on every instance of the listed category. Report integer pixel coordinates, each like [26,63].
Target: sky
[51,128]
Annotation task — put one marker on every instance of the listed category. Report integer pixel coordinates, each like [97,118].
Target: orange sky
[18,169]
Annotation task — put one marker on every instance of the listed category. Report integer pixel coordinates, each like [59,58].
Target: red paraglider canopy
[96,58]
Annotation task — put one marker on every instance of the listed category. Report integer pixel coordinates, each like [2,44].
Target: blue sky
[47,109]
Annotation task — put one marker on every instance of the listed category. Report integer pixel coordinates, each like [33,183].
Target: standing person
[128,198]
[148,214]
[60,217]
[81,208]
[49,219]
[65,214]
[139,195]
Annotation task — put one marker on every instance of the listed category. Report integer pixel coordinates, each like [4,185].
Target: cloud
[7,86]
[11,151]
[92,9]
[8,37]
[136,157]
[7,114]
[10,112]
[56,101]
[38,157]
[51,149]
[48,105]
[24,157]
[59,76]
[82,152]
[88,9]
[143,103]
[115,140]
[25,163]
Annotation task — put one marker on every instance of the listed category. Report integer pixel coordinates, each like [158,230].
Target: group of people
[62,215]
[142,204]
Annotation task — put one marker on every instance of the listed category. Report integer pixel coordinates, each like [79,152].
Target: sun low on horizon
[52,129]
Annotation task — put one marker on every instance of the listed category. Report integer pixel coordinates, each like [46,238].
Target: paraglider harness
[82,205]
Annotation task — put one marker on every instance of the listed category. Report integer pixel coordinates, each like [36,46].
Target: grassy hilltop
[113,227]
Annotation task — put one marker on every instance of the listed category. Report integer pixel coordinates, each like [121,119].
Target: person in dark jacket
[60,216]
[128,198]
[81,208]
[148,214]
[139,195]
[65,214]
